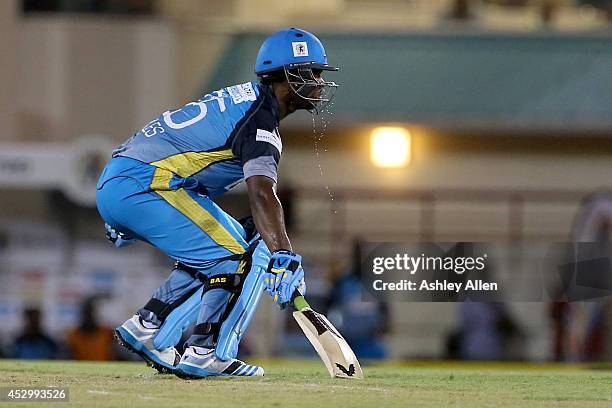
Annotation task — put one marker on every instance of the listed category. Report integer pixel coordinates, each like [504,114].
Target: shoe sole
[151,363]
[186,376]
[179,372]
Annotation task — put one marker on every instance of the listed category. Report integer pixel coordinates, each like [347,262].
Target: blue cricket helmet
[291,47]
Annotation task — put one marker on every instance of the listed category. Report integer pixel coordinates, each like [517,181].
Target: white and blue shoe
[200,362]
[138,338]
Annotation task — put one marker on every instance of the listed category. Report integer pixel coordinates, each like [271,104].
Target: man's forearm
[269,220]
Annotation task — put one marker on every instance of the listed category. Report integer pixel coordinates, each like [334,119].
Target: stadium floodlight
[390,146]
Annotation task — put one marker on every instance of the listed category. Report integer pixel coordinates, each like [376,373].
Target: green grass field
[290,383]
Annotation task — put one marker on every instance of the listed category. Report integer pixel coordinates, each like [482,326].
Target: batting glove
[284,275]
[118,238]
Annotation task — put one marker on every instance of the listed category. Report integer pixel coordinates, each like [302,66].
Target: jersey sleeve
[258,145]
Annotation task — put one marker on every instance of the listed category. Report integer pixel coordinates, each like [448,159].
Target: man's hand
[284,275]
[118,238]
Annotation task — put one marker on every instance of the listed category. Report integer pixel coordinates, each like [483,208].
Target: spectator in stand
[90,340]
[33,343]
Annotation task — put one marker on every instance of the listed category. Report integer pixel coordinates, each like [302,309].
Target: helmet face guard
[299,57]
[306,84]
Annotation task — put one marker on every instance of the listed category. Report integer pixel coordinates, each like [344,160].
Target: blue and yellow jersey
[216,141]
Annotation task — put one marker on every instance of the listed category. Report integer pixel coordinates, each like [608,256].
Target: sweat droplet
[318,138]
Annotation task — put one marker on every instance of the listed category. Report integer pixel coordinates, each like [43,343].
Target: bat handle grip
[298,300]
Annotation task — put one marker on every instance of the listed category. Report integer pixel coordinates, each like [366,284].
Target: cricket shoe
[136,337]
[200,362]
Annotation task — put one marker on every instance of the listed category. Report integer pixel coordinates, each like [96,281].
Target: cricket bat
[338,357]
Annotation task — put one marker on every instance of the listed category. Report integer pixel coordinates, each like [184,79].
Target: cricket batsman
[159,188]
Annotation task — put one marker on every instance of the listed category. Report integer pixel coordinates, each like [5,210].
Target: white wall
[431,170]
[443,169]
[8,88]
[92,75]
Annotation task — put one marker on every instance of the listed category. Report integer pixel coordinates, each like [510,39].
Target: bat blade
[336,354]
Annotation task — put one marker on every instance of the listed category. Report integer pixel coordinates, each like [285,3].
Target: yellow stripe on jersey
[161,179]
[189,163]
[184,203]
[184,165]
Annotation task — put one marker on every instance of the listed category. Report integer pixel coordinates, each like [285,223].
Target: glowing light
[390,147]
